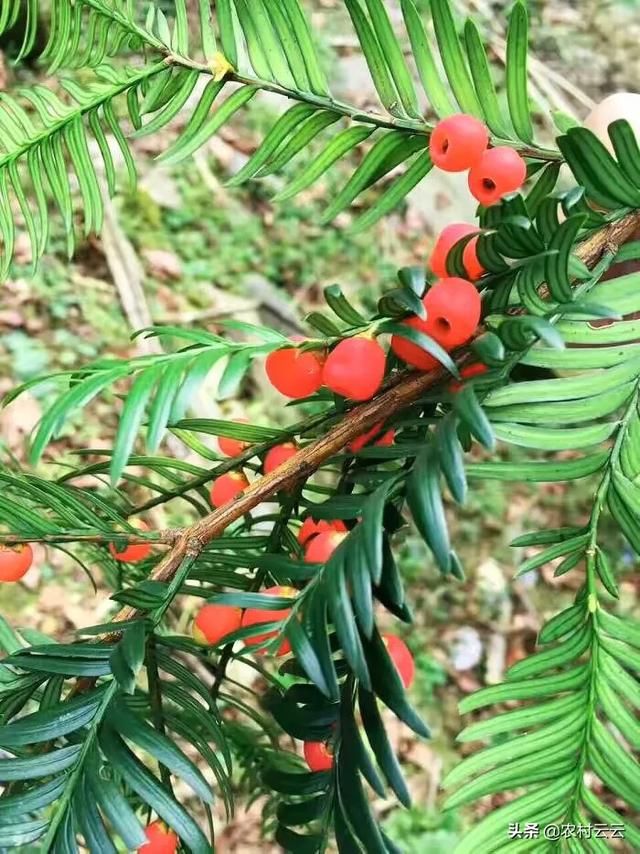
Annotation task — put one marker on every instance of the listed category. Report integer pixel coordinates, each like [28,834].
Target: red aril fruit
[355,368]
[227,487]
[382,441]
[499,171]
[453,309]
[214,622]
[233,447]
[474,370]
[401,657]
[359,443]
[448,238]
[410,352]
[136,551]
[15,562]
[256,616]
[278,455]
[161,840]
[295,373]
[318,755]
[310,528]
[458,142]
[322,546]
[387,439]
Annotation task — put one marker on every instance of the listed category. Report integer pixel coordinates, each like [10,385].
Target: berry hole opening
[488,184]
[442,324]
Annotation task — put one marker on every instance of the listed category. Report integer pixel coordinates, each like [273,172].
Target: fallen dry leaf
[162,264]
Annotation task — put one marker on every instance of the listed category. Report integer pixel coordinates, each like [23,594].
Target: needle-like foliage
[94,734]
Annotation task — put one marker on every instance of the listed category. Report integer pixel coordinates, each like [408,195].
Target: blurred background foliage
[182,248]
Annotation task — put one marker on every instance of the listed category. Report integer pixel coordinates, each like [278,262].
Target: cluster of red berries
[461,142]
[353,369]
[15,562]
[215,622]
[228,486]
[321,539]
[453,307]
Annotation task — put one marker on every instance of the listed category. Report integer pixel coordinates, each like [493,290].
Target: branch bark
[361,418]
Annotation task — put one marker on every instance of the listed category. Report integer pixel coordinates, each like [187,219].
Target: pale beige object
[623,105]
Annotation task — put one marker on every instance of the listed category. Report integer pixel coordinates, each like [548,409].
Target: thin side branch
[163,538]
[348,110]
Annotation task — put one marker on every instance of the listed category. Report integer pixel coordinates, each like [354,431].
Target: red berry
[214,622]
[318,755]
[453,313]
[322,546]
[467,373]
[387,439]
[401,657]
[227,487]
[233,447]
[445,243]
[359,443]
[457,142]
[279,455]
[473,370]
[256,616]
[161,839]
[355,368]
[411,353]
[135,552]
[15,562]
[295,373]
[499,171]
[383,441]
[310,528]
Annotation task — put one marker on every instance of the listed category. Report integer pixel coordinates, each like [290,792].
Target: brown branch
[356,422]
[609,239]
[300,467]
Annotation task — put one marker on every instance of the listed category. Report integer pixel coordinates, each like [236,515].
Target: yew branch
[357,421]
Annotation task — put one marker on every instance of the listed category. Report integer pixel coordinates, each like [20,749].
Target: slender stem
[64,803]
[155,699]
[592,599]
[166,538]
[326,102]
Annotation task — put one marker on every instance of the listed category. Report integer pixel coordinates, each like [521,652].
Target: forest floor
[197,251]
